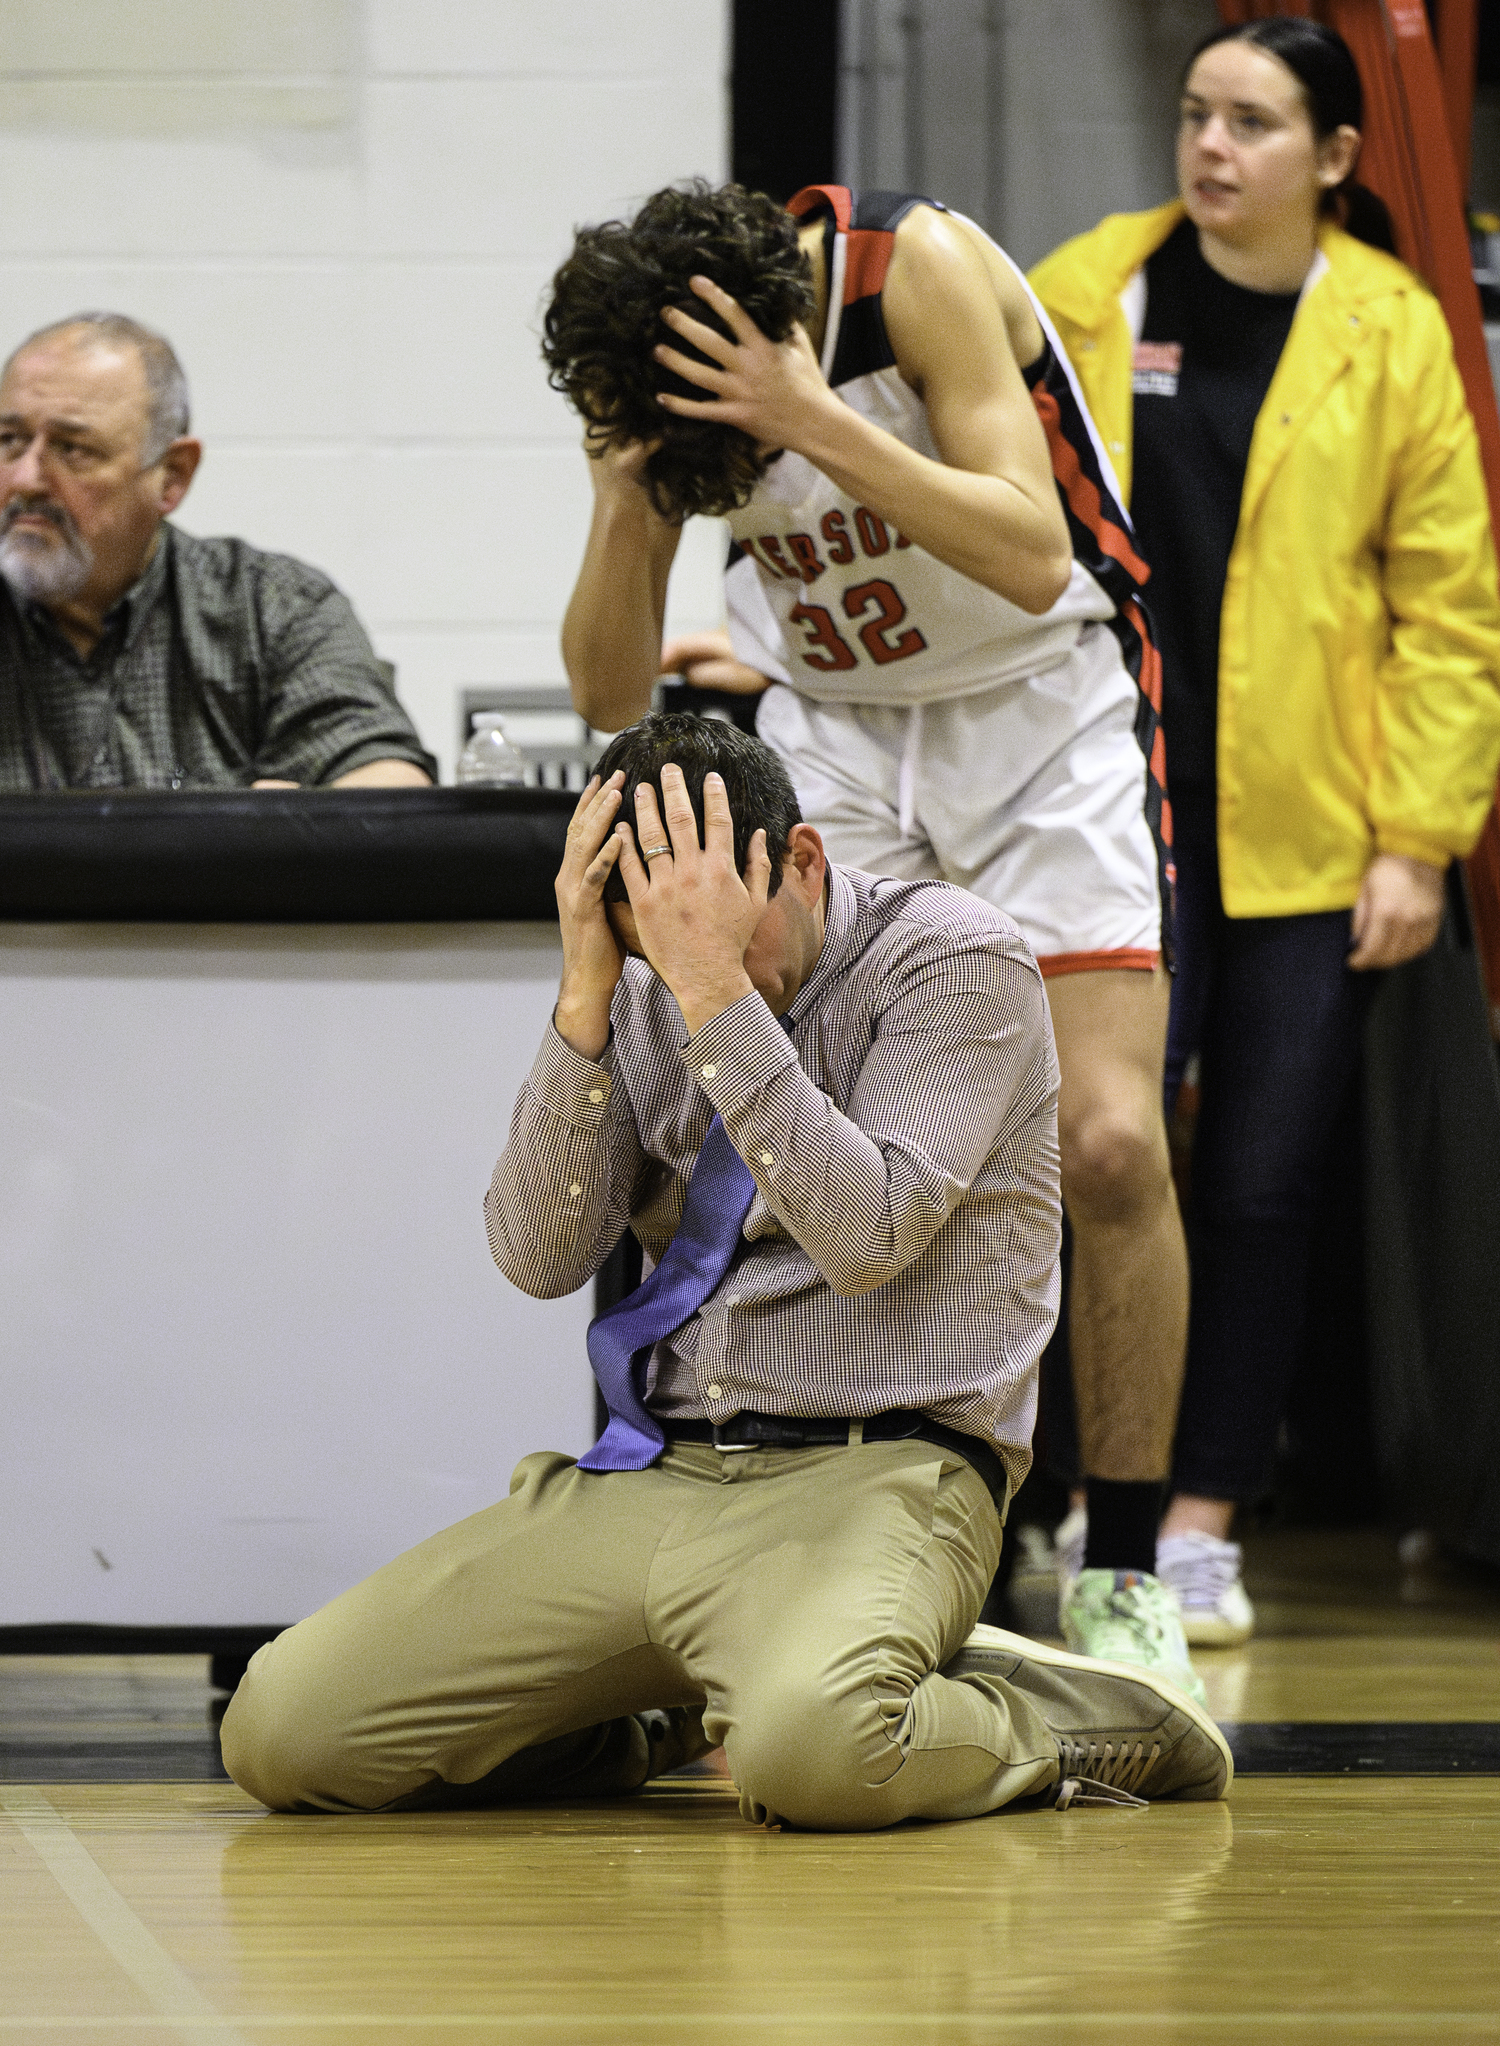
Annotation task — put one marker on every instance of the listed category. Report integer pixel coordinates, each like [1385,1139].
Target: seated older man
[132,654]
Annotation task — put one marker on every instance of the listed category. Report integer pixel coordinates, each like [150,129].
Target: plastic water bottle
[490,760]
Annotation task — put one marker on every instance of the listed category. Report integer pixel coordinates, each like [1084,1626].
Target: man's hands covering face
[694,916]
[592,959]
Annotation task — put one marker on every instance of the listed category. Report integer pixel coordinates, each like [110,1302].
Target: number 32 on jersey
[873,609]
[826,648]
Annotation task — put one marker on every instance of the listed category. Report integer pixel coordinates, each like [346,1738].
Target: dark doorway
[782,93]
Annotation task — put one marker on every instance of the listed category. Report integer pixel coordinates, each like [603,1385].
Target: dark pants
[1277,1020]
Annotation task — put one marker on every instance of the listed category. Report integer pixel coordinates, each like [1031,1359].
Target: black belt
[897,1424]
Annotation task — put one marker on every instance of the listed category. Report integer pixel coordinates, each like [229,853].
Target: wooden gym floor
[1337,1897]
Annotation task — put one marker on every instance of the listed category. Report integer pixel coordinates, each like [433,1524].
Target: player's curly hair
[604,319]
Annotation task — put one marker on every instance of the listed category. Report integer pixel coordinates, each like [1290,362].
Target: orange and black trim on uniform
[1104,542]
[1129,958]
[1102,537]
[868,223]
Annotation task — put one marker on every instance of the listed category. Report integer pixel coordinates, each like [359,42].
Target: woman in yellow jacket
[1281,403]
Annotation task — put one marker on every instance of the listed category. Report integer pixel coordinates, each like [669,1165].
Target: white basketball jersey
[825,595]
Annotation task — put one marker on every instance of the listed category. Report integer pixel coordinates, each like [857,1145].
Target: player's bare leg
[1127,1307]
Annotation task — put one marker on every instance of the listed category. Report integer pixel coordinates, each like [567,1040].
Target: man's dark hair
[761,796]
[604,320]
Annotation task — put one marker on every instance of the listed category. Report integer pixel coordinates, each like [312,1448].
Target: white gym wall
[1035,117]
[343,215]
[256,1341]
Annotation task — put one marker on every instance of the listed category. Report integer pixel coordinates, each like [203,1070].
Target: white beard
[44,571]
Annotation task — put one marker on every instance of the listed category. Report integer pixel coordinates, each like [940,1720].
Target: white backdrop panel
[254,1343]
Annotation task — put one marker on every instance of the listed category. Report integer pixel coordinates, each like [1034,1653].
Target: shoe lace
[1073,1790]
[1200,1575]
[1113,1768]
[1151,1606]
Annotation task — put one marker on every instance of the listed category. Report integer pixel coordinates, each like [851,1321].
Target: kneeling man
[827,1105]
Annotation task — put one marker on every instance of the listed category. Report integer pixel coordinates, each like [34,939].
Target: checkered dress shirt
[220,666]
[902,1246]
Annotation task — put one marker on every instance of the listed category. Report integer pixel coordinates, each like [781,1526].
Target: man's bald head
[168,413]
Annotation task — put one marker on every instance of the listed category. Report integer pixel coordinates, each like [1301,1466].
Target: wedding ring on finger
[653,852]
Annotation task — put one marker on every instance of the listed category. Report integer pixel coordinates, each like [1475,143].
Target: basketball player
[931,567]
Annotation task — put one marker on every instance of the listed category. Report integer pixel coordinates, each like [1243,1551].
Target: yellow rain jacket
[1359,662]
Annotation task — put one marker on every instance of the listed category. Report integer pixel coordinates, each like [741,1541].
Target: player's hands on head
[708,660]
[772,390]
[615,468]
[1398,914]
[592,959]
[694,916]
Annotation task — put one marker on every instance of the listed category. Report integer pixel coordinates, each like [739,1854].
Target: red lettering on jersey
[872,636]
[808,559]
[873,536]
[823,638]
[836,533]
[770,546]
[902,541]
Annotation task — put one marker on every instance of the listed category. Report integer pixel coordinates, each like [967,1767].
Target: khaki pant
[805,1599]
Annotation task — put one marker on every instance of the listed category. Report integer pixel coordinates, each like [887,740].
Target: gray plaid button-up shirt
[221,666]
[902,1246]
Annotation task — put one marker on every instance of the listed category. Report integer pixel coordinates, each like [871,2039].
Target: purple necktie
[621,1340]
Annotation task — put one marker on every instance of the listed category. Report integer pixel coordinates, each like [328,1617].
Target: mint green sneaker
[1126,1616]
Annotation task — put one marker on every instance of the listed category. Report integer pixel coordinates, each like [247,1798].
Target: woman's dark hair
[761,796]
[604,320]
[1323,65]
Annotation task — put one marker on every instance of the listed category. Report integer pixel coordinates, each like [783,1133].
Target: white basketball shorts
[1030,794]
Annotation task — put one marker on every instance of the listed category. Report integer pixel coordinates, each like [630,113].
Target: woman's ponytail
[1365,215]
